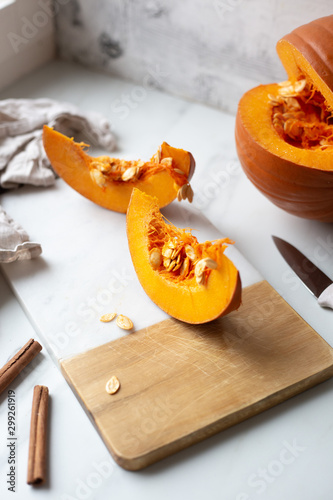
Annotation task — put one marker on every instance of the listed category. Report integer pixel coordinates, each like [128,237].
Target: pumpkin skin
[74,165]
[300,181]
[185,300]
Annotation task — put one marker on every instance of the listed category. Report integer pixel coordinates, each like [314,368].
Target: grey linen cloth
[24,161]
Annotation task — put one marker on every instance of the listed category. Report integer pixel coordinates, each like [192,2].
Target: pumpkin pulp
[109,181]
[301,117]
[194,282]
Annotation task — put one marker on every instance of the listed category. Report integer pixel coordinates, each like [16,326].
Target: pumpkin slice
[109,181]
[284,132]
[191,281]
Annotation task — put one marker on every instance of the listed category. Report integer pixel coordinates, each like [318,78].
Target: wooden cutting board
[182,383]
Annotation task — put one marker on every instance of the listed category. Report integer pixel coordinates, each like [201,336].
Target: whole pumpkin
[284,132]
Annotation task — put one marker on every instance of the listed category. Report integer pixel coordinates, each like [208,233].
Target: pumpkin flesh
[102,180]
[175,289]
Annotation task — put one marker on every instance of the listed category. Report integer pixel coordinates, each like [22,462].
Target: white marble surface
[210,51]
[283,453]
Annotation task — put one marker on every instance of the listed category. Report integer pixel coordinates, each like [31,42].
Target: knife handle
[325,299]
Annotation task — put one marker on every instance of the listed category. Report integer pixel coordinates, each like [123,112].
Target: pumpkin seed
[124,322]
[158,155]
[285,83]
[167,252]
[300,85]
[129,174]
[292,103]
[189,193]
[166,162]
[200,267]
[210,263]
[166,262]
[200,279]
[190,252]
[98,177]
[107,317]
[172,265]
[184,269]
[112,385]
[155,258]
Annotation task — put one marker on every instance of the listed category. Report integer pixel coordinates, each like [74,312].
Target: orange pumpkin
[284,132]
[193,282]
[109,181]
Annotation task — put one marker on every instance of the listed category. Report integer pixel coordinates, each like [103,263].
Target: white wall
[26,37]
[207,50]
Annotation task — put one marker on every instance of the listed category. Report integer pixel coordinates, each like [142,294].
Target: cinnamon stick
[37,460]
[16,364]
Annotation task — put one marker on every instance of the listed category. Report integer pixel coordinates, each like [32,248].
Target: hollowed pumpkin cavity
[301,116]
[194,282]
[109,181]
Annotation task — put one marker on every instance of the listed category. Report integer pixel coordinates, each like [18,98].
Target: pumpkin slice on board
[191,281]
[284,132]
[109,181]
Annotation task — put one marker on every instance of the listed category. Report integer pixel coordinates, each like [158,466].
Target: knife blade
[320,285]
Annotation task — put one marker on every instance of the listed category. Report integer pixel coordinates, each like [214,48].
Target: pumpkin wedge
[284,132]
[109,181]
[191,281]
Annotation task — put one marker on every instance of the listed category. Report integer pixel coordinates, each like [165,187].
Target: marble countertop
[282,453]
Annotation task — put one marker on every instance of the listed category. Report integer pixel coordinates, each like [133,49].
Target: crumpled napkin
[24,161]
[14,241]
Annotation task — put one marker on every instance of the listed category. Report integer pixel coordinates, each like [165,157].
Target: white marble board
[85,269]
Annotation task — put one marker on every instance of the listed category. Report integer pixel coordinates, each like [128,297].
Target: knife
[320,285]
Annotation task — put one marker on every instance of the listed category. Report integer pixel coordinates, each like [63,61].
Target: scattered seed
[107,317]
[124,322]
[112,385]
[178,171]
